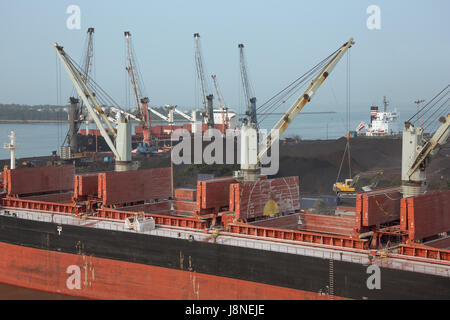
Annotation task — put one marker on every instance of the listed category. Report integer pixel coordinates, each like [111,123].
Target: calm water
[39,139]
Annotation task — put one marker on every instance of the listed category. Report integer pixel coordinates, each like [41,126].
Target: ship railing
[340,255]
[420,264]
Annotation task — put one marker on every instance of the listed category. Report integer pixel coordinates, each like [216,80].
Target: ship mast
[385,103]
[11,146]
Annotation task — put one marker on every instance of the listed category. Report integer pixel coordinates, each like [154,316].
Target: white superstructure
[382,123]
[385,123]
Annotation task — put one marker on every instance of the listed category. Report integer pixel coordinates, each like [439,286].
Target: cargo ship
[129,234]
[382,123]
[122,235]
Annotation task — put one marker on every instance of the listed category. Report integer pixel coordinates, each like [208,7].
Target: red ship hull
[100,278]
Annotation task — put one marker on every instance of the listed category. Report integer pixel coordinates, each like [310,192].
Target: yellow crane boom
[281,126]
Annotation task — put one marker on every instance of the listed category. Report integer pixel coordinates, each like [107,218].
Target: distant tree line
[51,112]
[38,112]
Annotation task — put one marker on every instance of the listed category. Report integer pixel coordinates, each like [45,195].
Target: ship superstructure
[382,123]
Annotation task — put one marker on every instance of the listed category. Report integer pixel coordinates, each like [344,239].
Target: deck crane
[250,155]
[416,154]
[221,101]
[121,147]
[207,99]
[169,117]
[141,102]
[75,110]
[120,113]
[250,99]
[192,118]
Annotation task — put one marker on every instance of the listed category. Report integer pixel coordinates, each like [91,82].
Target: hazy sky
[405,60]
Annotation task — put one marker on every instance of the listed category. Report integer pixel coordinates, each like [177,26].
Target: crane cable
[342,161]
[307,74]
[428,123]
[89,64]
[102,97]
[441,109]
[127,102]
[427,105]
[348,114]
[59,124]
[58,97]
[280,98]
[347,146]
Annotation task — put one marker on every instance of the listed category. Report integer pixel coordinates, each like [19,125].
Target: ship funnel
[373,113]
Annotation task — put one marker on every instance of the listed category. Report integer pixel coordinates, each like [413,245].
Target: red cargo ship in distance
[122,235]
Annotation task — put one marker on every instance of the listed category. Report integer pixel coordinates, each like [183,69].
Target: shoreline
[66,121]
[33,121]
[134,121]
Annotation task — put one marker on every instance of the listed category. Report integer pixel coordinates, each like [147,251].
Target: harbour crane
[170,117]
[207,99]
[417,154]
[222,106]
[192,118]
[141,102]
[76,109]
[121,147]
[120,113]
[250,99]
[250,155]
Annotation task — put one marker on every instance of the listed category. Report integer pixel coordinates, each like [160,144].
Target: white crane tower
[417,153]
[11,146]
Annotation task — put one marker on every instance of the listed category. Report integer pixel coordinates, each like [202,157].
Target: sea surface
[40,139]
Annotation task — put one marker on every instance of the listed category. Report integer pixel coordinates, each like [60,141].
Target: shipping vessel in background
[382,123]
[130,234]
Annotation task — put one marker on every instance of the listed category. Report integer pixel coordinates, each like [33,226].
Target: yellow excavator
[347,186]
[346,189]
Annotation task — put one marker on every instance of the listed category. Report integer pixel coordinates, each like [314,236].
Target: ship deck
[387,259]
[382,228]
